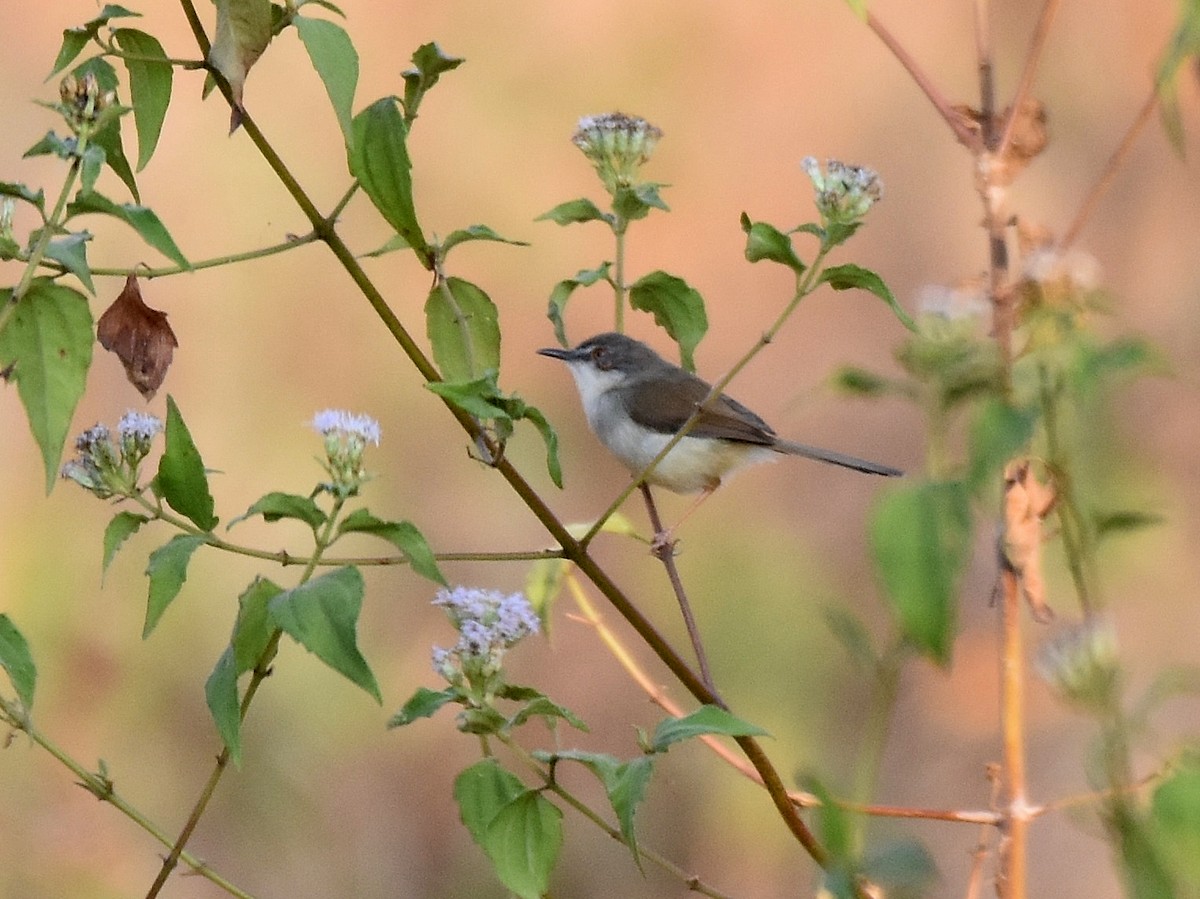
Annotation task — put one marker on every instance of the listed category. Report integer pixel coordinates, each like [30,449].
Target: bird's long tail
[834,458]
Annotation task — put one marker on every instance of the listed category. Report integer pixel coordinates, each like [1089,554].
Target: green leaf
[581,210]
[108,135]
[379,160]
[75,39]
[20,192]
[221,696]
[1120,521]
[846,277]
[123,526]
[150,81]
[481,791]
[562,292]
[708,719]
[1175,815]
[401,534]
[322,616]
[253,629]
[626,788]
[17,661]
[48,342]
[429,64]
[475,232]
[861,382]
[921,539]
[479,397]
[71,252]
[275,506]
[542,586]
[904,868]
[336,61]
[422,704]
[836,831]
[463,330]
[1184,46]
[523,841]
[677,308]
[167,571]
[765,241]
[550,438]
[242,34]
[635,201]
[52,145]
[251,635]
[141,218]
[181,478]
[998,433]
[541,706]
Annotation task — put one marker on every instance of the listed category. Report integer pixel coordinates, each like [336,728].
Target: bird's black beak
[554,352]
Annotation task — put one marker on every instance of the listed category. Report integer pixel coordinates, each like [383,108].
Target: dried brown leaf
[1027,501]
[140,336]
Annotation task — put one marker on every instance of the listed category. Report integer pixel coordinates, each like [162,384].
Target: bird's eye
[602,358]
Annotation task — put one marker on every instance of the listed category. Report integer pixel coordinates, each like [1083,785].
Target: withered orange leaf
[1026,503]
[140,336]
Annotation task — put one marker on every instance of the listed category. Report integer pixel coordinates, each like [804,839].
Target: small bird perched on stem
[636,402]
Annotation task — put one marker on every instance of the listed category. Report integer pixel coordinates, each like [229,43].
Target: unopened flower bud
[1081,664]
[617,145]
[346,438]
[845,193]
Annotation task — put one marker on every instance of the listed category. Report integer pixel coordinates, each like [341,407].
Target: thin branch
[1037,46]
[666,555]
[1017,812]
[962,131]
[1109,173]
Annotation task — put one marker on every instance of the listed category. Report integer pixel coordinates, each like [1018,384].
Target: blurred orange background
[327,802]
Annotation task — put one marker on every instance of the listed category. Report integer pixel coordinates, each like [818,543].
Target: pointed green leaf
[626,788]
[1175,813]
[150,78]
[167,571]
[846,277]
[542,586]
[21,192]
[464,332]
[581,210]
[275,506]
[852,634]
[123,526]
[1184,46]
[221,696]
[71,252]
[523,841]
[550,438]
[677,308]
[479,397]
[401,534]
[921,538]
[562,292]
[322,616]
[75,39]
[336,61]
[17,661]
[541,706]
[635,201]
[48,343]
[475,232]
[765,241]
[481,791]
[422,704]
[379,160]
[141,218]
[253,629]
[708,719]
[429,64]
[181,478]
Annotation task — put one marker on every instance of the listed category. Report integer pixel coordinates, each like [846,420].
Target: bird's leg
[664,538]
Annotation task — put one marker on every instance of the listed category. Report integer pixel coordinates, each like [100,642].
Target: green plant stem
[886,684]
[620,227]
[49,228]
[102,788]
[573,549]
[215,262]
[261,670]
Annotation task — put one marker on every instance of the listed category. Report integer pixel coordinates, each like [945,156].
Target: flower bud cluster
[1081,665]
[845,193]
[107,467]
[82,102]
[489,623]
[617,145]
[346,438]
